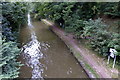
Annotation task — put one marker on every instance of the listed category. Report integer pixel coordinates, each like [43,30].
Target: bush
[13,16]
[6,30]
[8,64]
[111,9]
[100,39]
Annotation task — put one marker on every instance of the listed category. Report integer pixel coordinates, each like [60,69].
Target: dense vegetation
[81,19]
[13,16]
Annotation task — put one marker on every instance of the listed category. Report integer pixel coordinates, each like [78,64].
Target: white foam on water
[32,53]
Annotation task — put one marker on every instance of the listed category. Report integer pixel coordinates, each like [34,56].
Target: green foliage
[100,39]
[15,13]
[93,27]
[62,12]
[6,30]
[67,13]
[13,16]
[8,63]
[42,9]
[76,17]
[111,9]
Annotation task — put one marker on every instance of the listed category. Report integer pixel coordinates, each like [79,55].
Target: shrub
[8,64]
[100,39]
[111,9]
[13,16]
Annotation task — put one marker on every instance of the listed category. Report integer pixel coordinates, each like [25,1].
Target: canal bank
[94,67]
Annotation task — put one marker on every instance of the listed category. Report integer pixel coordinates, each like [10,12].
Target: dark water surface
[57,61]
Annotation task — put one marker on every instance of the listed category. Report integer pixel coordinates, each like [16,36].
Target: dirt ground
[99,64]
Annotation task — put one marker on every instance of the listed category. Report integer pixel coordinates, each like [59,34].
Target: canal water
[45,55]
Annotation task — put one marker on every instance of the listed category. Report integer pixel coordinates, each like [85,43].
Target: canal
[45,55]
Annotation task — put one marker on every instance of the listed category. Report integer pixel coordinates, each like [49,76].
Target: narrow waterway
[45,55]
